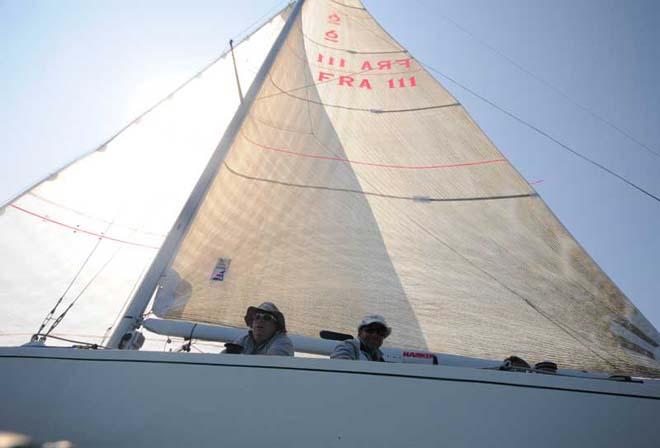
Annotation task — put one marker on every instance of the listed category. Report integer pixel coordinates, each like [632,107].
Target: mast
[133,314]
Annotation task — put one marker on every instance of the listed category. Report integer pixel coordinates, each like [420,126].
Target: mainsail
[358,184]
[88,233]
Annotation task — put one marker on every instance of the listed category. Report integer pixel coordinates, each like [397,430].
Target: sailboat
[345,180]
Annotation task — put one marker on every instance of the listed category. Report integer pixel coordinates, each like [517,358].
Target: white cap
[374,319]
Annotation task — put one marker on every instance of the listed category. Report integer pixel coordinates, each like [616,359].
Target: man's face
[373,336]
[264,326]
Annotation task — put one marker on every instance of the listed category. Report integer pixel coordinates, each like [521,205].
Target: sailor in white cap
[372,331]
[267,334]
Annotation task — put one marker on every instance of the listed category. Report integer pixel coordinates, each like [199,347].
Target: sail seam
[77,229]
[413,109]
[304,87]
[525,300]
[373,111]
[351,51]
[382,195]
[85,215]
[548,136]
[359,109]
[373,164]
[304,58]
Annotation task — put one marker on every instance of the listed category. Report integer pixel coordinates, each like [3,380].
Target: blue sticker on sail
[221,269]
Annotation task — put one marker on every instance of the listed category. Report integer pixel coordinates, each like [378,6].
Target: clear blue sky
[72,73]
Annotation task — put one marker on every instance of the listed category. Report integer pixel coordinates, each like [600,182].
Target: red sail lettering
[366,65]
[384,65]
[331,35]
[331,60]
[346,80]
[323,76]
[412,82]
[365,83]
[404,62]
[334,18]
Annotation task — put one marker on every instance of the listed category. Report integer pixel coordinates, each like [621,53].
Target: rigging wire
[89,344]
[491,103]
[542,132]
[101,237]
[607,170]
[565,328]
[562,326]
[50,315]
[573,334]
[548,85]
[87,285]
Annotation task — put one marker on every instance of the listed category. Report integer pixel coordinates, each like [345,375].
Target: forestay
[358,184]
[90,231]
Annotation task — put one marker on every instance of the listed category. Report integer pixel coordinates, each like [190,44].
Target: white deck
[122,398]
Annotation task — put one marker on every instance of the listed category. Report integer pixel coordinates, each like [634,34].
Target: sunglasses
[265,317]
[378,330]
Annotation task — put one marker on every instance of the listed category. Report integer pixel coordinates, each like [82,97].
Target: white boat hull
[124,398]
